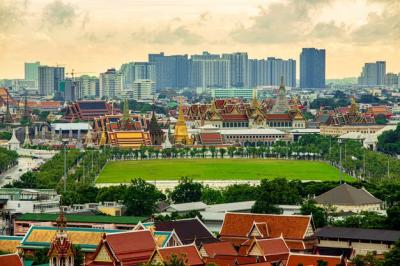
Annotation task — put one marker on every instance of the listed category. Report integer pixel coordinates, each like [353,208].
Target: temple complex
[121,130]
[236,114]
[347,119]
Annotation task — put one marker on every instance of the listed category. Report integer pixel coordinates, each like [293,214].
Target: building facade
[110,84]
[32,72]
[373,74]
[312,68]
[49,80]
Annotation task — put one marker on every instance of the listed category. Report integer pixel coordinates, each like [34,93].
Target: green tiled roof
[46,217]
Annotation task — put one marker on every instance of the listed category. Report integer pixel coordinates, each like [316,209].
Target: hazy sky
[93,35]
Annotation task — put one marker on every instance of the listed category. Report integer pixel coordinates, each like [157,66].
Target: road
[24,165]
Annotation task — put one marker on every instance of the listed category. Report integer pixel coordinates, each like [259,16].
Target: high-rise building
[110,84]
[143,89]
[208,71]
[49,80]
[269,72]
[137,70]
[392,80]
[171,71]
[239,68]
[312,68]
[88,87]
[69,90]
[32,71]
[373,74]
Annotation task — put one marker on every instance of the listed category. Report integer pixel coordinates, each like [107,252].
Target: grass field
[217,169]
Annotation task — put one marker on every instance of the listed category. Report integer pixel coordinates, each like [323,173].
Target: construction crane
[72,73]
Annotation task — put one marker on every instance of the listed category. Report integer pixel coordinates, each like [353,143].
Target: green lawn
[217,169]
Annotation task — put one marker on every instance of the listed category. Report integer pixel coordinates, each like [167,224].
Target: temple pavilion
[122,130]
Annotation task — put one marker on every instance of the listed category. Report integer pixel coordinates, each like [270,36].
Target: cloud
[58,13]
[279,22]
[328,30]
[380,28]
[168,35]
[11,14]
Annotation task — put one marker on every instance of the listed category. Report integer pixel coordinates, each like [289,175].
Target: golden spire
[126,109]
[255,103]
[181,116]
[354,106]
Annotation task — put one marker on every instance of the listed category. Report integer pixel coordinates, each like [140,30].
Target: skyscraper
[88,87]
[110,84]
[49,80]
[269,72]
[209,70]
[373,74]
[32,71]
[136,71]
[239,69]
[171,71]
[312,68]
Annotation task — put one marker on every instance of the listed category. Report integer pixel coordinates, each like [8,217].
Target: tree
[222,151]
[393,217]
[186,191]
[320,216]
[231,151]
[393,256]
[211,195]
[140,197]
[265,207]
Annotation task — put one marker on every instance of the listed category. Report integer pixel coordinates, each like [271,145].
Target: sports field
[217,169]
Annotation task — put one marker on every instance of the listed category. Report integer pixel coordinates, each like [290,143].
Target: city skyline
[92,36]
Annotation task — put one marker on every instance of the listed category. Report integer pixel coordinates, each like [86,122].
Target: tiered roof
[187,253]
[240,227]
[11,260]
[88,110]
[308,259]
[127,248]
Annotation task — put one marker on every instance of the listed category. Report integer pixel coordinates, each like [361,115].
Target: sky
[90,36]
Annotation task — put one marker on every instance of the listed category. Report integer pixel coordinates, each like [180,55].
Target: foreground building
[240,228]
[346,198]
[360,241]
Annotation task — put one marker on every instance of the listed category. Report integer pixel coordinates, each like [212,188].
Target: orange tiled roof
[312,260]
[188,253]
[289,226]
[10,260]
[132,246]
[273,246]
[219,248]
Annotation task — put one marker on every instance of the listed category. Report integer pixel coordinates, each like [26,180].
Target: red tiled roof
[211,138]
[132,247]
[289,226]
[188,253]
[10,260]
[312,260]
[234,117]
[219,248]
[278,117]
[259,264]
[295,245]
[272,246]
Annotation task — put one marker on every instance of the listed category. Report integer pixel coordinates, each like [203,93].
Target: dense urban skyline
[91,36]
